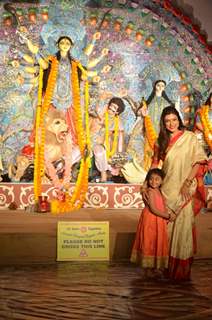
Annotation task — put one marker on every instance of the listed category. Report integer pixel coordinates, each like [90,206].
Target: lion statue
[56,134]
[58,150]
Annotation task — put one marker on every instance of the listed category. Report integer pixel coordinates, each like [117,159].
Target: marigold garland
[207,127]
[77,107]
[87,127]
[150,131]
[37,176]
[77,199]
[40,129]
[111,152]
[151,134]
[150,139]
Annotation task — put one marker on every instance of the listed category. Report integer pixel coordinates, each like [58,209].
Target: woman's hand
[184,191]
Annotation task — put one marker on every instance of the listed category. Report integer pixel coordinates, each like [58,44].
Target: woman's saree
[183,153]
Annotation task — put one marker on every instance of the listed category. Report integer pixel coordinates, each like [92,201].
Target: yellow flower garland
[207,127]
[78,197]
[39,125]
[111,152]
[87,127]
[151,134]
[37,177]
[77,107]
[149,142]
[150,131]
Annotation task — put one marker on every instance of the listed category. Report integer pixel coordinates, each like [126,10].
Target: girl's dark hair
[164,95]
[164,135]
[208,101]
[119,102]
[156,171]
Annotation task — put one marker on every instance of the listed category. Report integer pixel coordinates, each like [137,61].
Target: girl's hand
[172,215]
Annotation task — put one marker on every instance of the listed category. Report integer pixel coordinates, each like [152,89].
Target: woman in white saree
[184,163]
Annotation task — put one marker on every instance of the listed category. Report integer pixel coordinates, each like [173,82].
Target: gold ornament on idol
[111,152]
[207,127]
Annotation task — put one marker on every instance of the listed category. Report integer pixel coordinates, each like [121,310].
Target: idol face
[171,123]
[160,87]
[64,45]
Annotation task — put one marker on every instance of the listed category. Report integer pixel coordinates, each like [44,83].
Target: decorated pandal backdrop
[80,92]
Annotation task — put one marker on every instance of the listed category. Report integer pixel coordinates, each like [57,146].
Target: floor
[100,290]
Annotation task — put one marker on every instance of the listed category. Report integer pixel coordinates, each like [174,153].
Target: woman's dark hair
[208,101]
[156,171]
[119,102]
[164,135]
[164,95]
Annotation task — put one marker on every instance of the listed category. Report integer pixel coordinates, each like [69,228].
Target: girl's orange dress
[150,248]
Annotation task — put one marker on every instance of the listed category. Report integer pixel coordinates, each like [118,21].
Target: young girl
[150,248]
